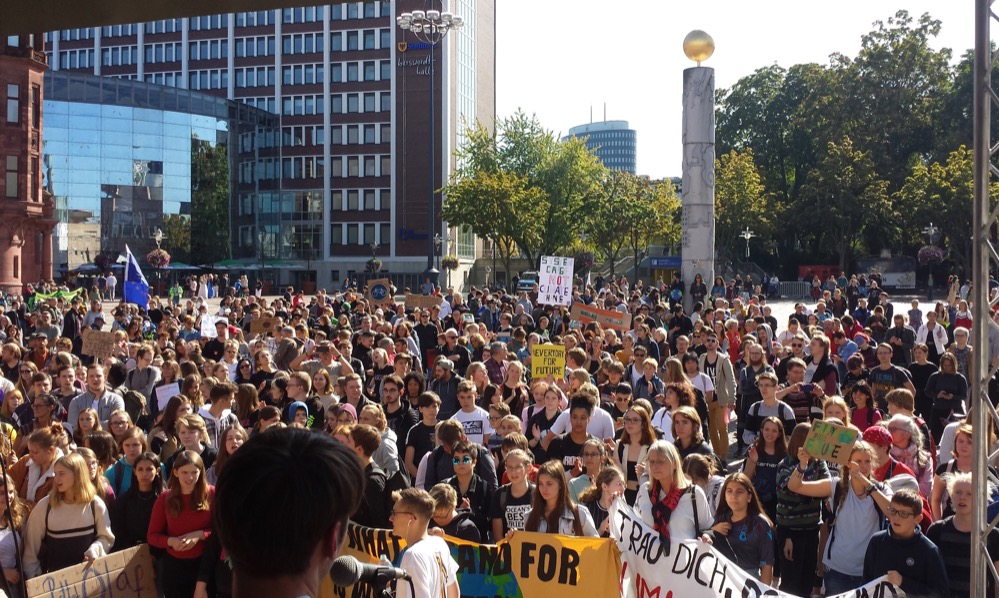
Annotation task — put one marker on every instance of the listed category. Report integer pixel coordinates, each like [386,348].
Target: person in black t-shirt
[512,502]
[420,438]
[568,447]
[448,520]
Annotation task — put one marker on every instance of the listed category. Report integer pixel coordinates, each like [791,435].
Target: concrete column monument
[698,194]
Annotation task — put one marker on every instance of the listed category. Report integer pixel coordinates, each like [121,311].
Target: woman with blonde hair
[15,513]
[86,422]
[668,502]
[33,475]
[71,523]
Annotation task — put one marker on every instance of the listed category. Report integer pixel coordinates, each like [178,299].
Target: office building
[611,140]
[351,178]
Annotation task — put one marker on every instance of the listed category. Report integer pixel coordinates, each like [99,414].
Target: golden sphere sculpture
[698,46]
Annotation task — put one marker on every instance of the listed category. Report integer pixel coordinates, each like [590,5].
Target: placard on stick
[547,360]
[555,284]
[127,573]
[379,291]
[98,344]
[414,301]
[263,325]
[830,442]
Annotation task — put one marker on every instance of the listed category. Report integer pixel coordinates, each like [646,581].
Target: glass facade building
[613,142]
[118,155]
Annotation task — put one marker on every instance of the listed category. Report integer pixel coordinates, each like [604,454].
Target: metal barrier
[795,289]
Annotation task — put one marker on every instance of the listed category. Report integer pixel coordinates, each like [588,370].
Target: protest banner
[830,442]
[98,344]
[608,318]
[379,291]
[555,280]
[127,573]
[692,568]
[165,393]
[547,360]
[208,326]
[263,325]
[414,301]
[528,565]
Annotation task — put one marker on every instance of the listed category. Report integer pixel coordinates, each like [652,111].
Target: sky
[558,58]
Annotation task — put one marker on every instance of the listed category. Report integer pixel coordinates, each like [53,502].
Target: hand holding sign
[830,442]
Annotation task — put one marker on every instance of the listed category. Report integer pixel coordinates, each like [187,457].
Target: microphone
[347,571]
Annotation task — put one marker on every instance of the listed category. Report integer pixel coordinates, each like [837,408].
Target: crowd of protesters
[104,454]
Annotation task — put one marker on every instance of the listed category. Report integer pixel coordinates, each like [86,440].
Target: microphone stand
[10,521]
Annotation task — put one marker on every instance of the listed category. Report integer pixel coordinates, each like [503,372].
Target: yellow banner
[528,565]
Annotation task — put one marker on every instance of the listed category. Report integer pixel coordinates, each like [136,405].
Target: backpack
[135,406]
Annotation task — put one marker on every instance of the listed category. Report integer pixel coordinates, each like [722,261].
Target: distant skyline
[559,58]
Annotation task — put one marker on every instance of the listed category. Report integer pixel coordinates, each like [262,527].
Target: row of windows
[255,46]
[368,39]
[360,234]
[308,14]
[305,167]
[167,26]
[312,14]
[360,166]
[302,74]
[361,134]
[67,35]
[368,70]
[210,79]
[208,22]
[259,76]
[120,30]
[167,79]
[168,52]
[360,199]
[265,138]
[119,55]
[299,105]
[302,43]
[208,49]
[77,59]
[353,102]
[268,103]
[303,135]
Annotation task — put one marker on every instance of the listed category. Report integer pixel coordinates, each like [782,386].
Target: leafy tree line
[829,163]
[534,195]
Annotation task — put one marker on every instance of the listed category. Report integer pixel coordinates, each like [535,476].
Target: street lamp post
[261,235]
[747,235]
[930,231]
[431,27]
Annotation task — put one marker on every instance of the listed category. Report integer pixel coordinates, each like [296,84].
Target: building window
[369,199]
[352,199]
[352,230]
[10,177]
[13,104]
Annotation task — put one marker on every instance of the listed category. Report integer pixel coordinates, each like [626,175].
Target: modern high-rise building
[26,212]
[611,140]
[351,179]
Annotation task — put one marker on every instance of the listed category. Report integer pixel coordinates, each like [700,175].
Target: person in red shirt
[879,437]
[180,524]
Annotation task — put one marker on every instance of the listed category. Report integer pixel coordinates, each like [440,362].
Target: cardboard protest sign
[555,283]
[379,291]
[99,344]
[208,326]
[547,360]
[263,325]
[128,573]
[607,318]
[830,442]
[423,301]
[165,393]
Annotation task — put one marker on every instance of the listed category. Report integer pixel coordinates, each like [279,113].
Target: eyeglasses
[493,418]
[37,406]
[586,454]
[710,340]
[26,371]
[119,424]
[632,420]
[394,513]
[466,460]
[893,512]
[897,429]
[798,345]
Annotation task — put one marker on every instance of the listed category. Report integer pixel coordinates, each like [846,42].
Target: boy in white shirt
[474,419]
[426,558]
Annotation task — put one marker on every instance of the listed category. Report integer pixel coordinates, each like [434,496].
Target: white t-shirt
[703,383]
[601,424]
[664,421]
[475,424]
[430,565]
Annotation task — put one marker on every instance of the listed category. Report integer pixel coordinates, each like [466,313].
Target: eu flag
[136,289]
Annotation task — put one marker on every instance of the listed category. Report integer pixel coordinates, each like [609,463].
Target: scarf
[663,508]
[909,456]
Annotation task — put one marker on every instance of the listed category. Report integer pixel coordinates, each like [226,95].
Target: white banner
[692,569]
[555,280]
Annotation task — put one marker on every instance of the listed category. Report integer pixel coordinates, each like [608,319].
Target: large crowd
[104,454]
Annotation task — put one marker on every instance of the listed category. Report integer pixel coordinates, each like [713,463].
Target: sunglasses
[466,460]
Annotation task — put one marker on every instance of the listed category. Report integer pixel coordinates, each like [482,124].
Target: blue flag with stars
[136,289]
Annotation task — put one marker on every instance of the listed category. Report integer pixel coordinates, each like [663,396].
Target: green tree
[209,201]
[741,200]
[607,226]
[843,199]
[544,206]
[177,237]
[653,216]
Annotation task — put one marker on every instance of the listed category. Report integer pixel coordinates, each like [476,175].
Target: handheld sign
[262,325]
[98,344]
[555,284]
[379,291]
[165,393]
[830,442]
[547,360]
[608,318]
[423,301]
[208,326]
[126,573]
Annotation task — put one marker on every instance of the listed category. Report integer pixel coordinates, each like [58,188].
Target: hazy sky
[557,58]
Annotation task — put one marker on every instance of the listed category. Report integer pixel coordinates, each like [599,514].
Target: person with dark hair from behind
[288,553]
[427,558]
[909,559]
[447,519]
[364,441]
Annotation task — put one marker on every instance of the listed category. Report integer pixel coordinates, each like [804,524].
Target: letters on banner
[691,569]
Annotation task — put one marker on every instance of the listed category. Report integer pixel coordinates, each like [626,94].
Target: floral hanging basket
[930,255]
[449,262]
[158,258]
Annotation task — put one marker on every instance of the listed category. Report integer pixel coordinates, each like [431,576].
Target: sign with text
[555,280]
[99,344]
[607,318]
[379,291]
[164,393]
[414,301]
[547,360]
[830,442]
[263,325]
[127,573]
[208,326]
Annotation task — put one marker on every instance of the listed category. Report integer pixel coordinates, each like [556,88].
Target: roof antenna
[605,111]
